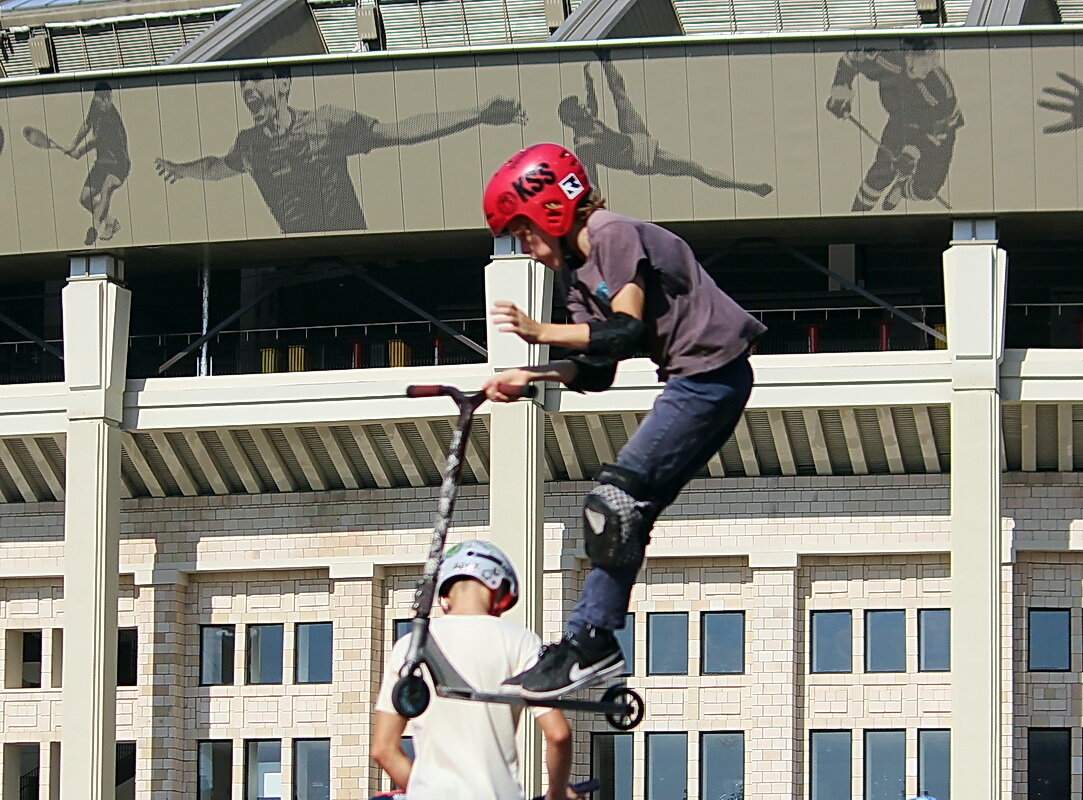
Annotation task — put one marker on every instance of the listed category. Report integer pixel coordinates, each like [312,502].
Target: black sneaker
[575,661]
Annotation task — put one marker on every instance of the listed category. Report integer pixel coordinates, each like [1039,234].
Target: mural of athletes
[915,147]
[102,133]
[298,157]
[631,147]
[697,131]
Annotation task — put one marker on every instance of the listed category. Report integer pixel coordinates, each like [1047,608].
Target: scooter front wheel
[635,707]
[410,696]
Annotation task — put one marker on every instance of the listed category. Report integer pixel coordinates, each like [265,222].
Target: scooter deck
[564,703]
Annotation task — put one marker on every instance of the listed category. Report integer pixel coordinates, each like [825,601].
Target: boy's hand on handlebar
[497,386]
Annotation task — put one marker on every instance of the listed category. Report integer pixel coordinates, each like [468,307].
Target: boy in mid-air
[629,286]
[467,750]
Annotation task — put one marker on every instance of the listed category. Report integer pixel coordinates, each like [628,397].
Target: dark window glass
[611,764]
[830,765]
[832,641]
[125,771]
[667,766]
[885,641]
[216,655]
[667,644]
[31,659]
[626,638]
[24,761]
[934,641]
[723,637]
[1049,763]
[127,656]
[314,648]
[216,770]
[263,769]
[312,769]
[885,765]
[265,654]
[401,627]
[722,766]
[934,764]
[1049,640]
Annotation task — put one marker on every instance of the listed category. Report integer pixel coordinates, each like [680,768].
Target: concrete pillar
[975,272]
[516,442]
[774,620]
[95,310]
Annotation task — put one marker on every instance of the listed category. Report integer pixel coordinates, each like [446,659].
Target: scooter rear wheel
[410,696]
[635,707]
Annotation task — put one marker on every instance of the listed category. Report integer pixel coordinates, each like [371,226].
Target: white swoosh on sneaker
[578,678]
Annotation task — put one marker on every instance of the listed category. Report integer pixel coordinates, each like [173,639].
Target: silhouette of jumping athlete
[630,147]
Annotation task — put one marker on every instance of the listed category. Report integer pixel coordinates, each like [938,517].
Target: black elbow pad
[592,373]
[618,336]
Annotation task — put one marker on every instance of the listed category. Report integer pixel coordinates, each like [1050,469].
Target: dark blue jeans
[690,421]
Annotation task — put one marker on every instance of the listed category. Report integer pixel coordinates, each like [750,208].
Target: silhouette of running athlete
[630,147]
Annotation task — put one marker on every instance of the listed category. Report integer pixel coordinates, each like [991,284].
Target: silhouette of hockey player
[918,141]
[630,147]
[298,157]
[1068,100]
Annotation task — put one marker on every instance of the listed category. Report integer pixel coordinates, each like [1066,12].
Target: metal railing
[841,329]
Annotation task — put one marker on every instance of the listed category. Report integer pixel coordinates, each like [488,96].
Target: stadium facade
[217,499]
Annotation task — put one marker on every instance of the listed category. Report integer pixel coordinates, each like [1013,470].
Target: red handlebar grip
[424,390]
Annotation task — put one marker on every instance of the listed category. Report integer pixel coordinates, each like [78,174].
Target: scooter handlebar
[435,390]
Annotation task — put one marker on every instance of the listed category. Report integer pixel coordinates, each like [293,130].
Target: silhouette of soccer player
[630,147]
[298,157]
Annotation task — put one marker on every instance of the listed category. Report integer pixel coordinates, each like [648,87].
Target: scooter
[622,707]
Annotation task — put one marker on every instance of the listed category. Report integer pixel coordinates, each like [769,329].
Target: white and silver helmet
[484,562]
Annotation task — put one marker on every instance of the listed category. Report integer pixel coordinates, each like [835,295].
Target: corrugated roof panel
[897,14]
[764,440]
[338,25]
[487,22]
[906,429]
[1047,441]
[851,14]
[213,442]
[70,50]
[526,18]
[757,16]
[955,11]
[136,49]
[194,27]
[794,422]
[101,47]
[353,453]
[803,15]
[403,25]
[837,451]
[166,37]
[872,440]
[445,23]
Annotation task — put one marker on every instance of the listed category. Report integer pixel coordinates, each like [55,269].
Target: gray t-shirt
[693,326]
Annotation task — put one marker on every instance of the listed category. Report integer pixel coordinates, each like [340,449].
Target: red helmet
[540,175]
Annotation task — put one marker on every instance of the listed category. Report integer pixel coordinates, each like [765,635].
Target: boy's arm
[558,754]
[387,730]
[608,347]
[509,318]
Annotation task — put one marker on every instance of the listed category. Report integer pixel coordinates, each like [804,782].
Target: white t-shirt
[466,750]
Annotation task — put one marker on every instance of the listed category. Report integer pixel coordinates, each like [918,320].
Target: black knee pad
[617,519]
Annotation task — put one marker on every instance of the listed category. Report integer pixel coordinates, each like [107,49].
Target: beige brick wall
[288,546]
